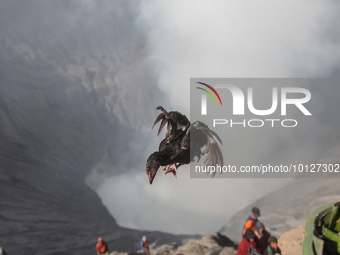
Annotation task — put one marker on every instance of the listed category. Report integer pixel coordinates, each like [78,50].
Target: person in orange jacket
[102,247]
[251,222]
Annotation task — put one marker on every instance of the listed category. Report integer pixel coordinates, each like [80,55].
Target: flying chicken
[174,150]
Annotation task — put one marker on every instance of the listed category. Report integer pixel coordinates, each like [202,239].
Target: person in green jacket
[272,248]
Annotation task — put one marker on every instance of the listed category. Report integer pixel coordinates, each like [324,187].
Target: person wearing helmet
[102,247]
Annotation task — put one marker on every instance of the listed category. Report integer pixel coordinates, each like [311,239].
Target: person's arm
[257,234]
[253,228]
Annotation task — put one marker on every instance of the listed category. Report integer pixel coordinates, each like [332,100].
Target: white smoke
[186,39]
[238,39]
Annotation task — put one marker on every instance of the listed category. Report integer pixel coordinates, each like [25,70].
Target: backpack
[253,251]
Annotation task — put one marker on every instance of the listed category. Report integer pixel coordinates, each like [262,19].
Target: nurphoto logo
[266,127]
[281,97]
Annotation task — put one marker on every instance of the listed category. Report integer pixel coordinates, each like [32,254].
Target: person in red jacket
[102,247]
[247,241]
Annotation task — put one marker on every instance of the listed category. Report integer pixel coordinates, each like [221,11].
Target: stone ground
[291,241]
[218,244]
[212,244]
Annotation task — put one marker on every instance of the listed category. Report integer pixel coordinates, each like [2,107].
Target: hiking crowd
[255,234]
[254,237]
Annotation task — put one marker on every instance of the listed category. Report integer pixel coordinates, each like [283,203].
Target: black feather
[175,148]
